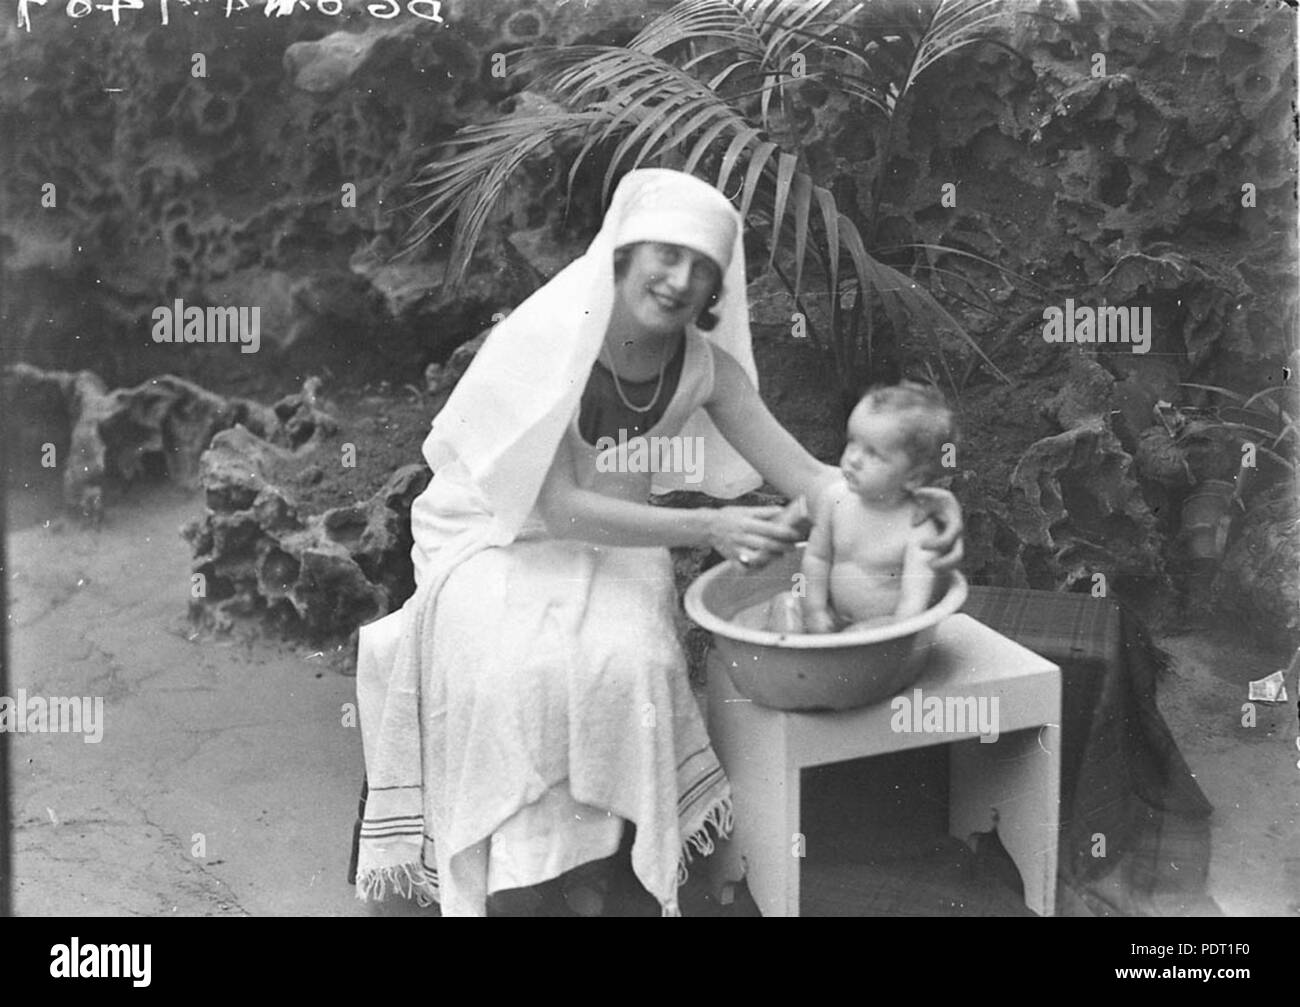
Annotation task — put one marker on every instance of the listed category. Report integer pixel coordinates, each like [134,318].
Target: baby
[864,564]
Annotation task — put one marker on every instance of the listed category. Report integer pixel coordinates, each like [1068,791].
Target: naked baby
[865,564]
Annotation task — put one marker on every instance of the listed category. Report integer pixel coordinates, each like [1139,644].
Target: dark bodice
[602,413]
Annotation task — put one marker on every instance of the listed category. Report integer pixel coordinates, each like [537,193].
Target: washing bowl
[798,671]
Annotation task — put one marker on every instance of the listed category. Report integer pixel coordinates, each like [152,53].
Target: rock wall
[232,188]
[1121,161]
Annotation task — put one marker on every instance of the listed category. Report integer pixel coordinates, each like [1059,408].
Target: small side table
[763,752]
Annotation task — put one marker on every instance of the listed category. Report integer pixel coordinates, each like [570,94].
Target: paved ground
[225,783]
[1250,774]
[226,780]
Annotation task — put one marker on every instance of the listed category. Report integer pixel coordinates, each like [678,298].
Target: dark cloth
[1126,791]
[603,414]
[356,832]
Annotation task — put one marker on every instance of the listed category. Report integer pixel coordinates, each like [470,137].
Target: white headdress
[503,423]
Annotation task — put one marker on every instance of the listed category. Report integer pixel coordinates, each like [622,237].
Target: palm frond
[636,91]
[955,25]
[637,105]
[899,293]
[469,184]
[962,253]
[694,20]
[757,162]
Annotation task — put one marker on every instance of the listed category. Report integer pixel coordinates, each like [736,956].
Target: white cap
[680,209]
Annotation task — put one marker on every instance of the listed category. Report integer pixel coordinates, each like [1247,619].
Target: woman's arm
[744,420]
[572,512]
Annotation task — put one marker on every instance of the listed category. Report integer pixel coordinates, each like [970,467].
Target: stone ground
[226,781]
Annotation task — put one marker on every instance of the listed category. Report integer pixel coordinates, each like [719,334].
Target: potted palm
[722,89]
[1223,447]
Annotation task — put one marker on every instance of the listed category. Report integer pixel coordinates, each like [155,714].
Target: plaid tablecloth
[1135,835]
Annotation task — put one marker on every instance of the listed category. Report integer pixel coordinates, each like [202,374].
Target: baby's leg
[784,614]
[754,616]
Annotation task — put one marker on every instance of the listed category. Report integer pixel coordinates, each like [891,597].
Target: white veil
[503,423]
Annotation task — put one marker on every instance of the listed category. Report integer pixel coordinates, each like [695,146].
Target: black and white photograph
[651,458]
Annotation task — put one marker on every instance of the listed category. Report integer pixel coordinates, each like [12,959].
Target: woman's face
[666,286]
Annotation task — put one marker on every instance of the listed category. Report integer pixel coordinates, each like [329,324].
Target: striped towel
[567,670]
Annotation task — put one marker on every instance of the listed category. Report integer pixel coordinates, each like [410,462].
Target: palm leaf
[954,25]
[703,144]
[641,108]
[757,162]
[831,224]
[786,165]
[694,20]
[469,185]
[900,293]
[802,205]
[962,253]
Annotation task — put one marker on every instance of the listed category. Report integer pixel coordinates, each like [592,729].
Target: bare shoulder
[725,366]
[731,385]
[835,496]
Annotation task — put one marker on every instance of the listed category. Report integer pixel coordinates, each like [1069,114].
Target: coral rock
[324,575]
[1258,580]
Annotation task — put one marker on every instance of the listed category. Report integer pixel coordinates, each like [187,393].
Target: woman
[532,697]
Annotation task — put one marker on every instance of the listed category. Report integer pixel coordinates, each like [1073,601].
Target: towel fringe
[411,881]
[717,824]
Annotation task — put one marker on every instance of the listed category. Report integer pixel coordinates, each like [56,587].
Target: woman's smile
[667,302]
[665,286]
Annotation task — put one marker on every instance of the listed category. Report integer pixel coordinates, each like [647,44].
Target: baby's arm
[817,570]
[917,576]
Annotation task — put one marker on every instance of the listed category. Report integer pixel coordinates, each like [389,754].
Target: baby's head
[896,440]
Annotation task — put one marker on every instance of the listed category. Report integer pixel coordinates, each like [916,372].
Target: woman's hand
[753,536]
[941,507]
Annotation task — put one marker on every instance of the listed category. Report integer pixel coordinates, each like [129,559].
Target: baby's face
[875,464]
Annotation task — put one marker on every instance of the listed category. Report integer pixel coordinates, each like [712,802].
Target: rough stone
[1258,581]
[1160,459]
[321,575]
[1086,394]
[162,426]
[328,64]
[1074,496]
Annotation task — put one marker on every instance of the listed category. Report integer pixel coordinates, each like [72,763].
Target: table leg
[766,846]
[1019,777]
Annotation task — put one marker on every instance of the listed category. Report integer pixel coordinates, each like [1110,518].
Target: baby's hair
[707,321]
[926,420]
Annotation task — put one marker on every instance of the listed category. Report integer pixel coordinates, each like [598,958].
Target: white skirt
[565,655]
